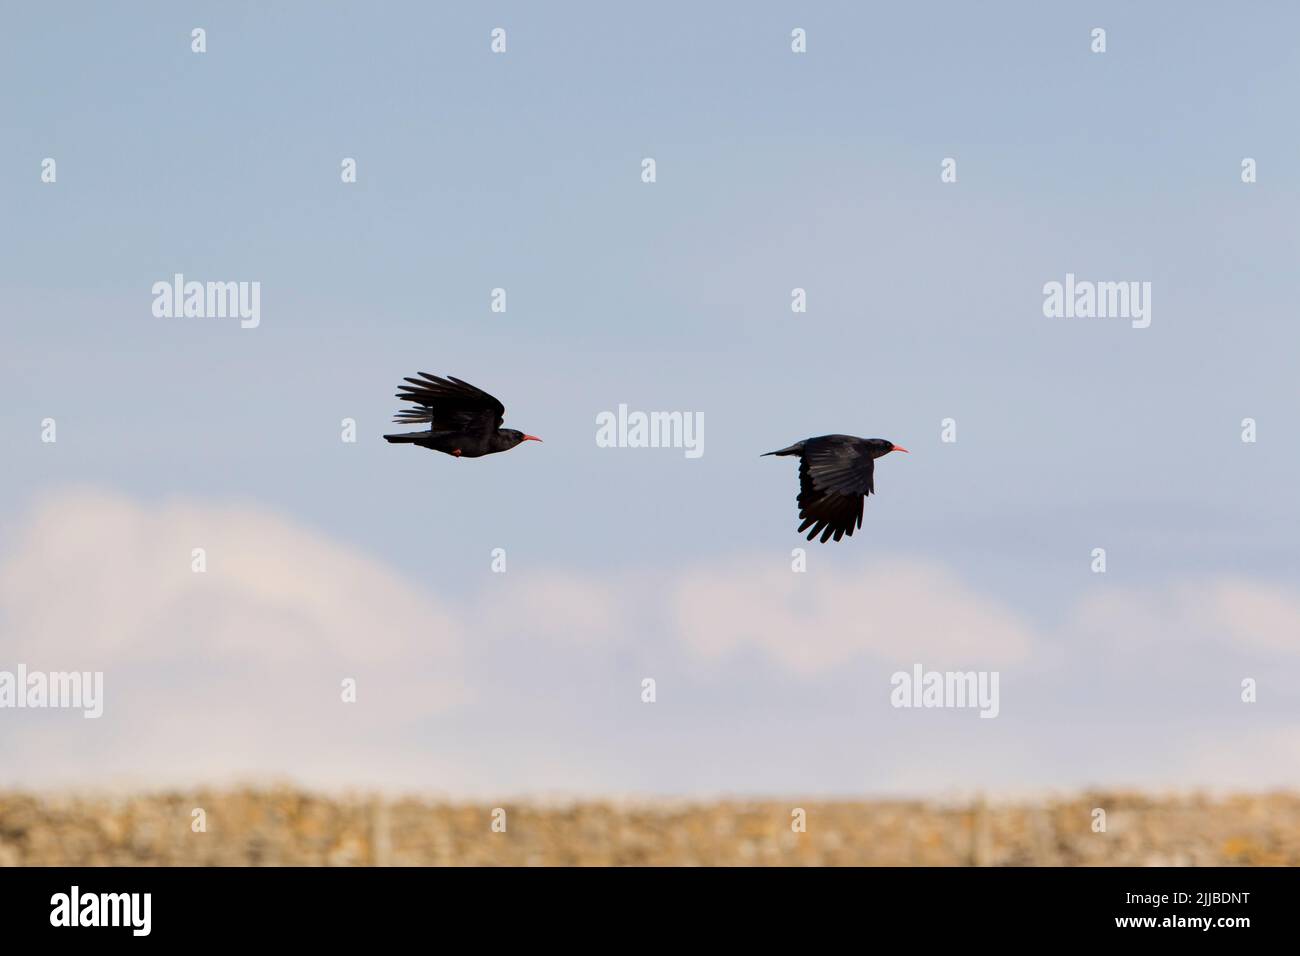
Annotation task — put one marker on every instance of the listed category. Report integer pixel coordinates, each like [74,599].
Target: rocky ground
[288,827]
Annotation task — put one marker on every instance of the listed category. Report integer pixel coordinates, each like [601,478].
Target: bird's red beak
[530,438]
[899,448]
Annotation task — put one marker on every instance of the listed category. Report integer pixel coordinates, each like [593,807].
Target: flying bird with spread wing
[836,473]
[464,421]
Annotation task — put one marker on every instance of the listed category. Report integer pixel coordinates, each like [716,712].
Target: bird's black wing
[834,480]
[448,404]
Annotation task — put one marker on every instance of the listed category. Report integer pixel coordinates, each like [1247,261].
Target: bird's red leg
[456,452]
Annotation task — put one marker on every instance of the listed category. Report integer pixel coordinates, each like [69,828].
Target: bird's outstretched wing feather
[449,404]
[834,480]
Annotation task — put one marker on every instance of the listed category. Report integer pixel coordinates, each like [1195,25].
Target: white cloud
[559,606]
[235,673]
[1253,614]
[812,621]
[238,669]
[1228,609]
[1266,757]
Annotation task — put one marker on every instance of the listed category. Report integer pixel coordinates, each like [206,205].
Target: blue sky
[775,171]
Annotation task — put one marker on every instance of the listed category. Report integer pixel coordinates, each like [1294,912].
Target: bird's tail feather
[413,416]
[406,437]
[795,449]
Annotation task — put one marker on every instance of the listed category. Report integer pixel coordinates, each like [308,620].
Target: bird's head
[881,447]
[510,437]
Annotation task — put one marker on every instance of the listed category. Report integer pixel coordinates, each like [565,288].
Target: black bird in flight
[835,477]
[464,421]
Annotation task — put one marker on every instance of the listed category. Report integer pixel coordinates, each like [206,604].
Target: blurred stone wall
[289,827]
